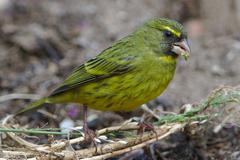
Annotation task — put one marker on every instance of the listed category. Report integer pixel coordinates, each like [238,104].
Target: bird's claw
[143,126]
[89,136]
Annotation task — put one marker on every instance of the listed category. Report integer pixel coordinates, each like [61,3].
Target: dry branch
[106,150]
[118,148]
[19,96]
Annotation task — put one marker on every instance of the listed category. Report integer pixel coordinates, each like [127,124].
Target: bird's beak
[182,48]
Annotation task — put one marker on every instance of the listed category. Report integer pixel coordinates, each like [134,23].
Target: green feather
[103,66]
[132,71]
[33,105]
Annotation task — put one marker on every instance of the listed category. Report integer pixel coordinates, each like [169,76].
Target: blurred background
[41,42]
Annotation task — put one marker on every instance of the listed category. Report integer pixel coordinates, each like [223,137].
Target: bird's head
[166,37]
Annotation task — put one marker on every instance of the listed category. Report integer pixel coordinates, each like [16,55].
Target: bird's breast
[127,91]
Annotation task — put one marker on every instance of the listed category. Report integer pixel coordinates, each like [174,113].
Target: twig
[59,145]
[16,138]
[17,153]
[166,112]
[25,143]
[19,96]
[47,114]
[34,131]
[105,150]
[145,108]
[173,129]
[129,126]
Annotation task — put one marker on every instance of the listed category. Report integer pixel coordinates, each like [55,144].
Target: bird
[132,71]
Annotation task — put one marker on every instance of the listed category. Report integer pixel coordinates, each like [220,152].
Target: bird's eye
[168,34]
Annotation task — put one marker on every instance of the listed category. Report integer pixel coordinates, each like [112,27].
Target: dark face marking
[170,38]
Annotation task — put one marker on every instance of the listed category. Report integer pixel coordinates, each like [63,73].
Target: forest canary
[131,72]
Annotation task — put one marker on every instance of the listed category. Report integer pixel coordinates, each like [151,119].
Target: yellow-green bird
[131,72]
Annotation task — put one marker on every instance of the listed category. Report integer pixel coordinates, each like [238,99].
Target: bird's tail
[33,105]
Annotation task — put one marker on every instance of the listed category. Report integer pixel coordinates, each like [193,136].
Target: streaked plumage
[131,72]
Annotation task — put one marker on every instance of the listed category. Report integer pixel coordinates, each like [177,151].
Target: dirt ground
[41,42]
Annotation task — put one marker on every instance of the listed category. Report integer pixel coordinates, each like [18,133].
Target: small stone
[66,125]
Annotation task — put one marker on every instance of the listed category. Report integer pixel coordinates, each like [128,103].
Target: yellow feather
[178,34]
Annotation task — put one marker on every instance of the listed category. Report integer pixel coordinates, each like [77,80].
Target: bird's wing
[101,67]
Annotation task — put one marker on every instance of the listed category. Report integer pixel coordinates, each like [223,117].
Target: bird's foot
[89,136]
[143,126]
